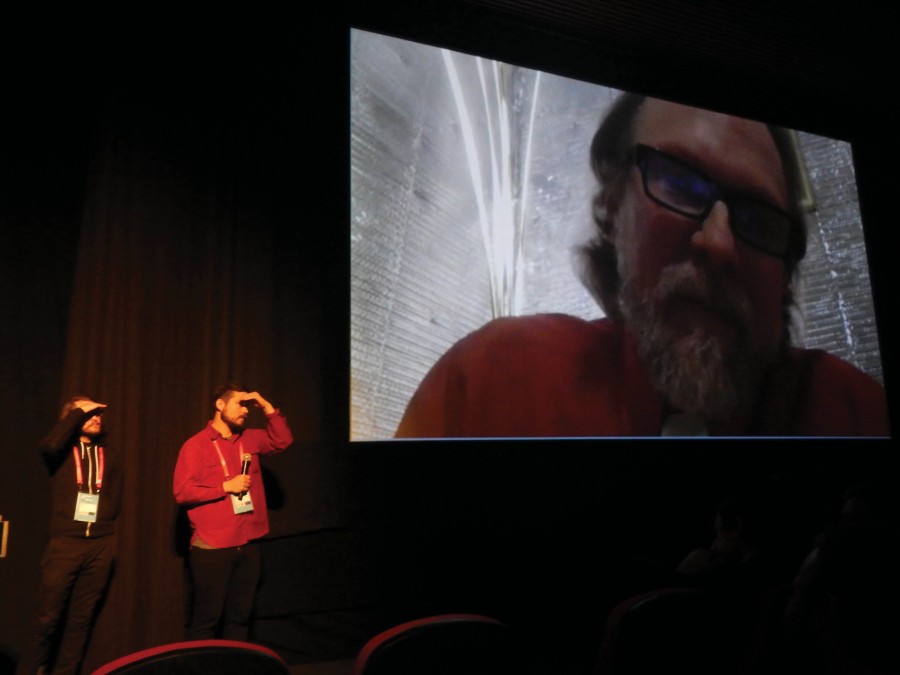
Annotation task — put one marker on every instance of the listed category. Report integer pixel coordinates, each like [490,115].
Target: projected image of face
[697,243]
[705,305]
[695,304]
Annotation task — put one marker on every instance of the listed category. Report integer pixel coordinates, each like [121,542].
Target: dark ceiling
[826,46]
[818,55]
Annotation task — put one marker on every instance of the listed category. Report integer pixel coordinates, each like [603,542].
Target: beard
[236,424]
[692,368]
[92,431]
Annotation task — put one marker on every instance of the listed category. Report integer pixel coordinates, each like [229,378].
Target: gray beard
[693,371]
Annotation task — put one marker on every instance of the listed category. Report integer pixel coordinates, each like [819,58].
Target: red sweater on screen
[553,375]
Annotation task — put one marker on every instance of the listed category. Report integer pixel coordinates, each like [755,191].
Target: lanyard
[98,462]
[222,457]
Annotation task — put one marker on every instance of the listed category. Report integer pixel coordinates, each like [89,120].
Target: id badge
[86,507]
[242,504]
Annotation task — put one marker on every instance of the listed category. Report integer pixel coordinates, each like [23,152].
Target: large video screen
[484,299]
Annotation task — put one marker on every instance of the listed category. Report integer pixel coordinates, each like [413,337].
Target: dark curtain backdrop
[42,175]
[164,235]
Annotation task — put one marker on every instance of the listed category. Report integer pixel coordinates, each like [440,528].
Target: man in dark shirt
[77,564]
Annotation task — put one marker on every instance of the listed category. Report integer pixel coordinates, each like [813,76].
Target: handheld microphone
[245,469]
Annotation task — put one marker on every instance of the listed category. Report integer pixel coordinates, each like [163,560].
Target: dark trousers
[74,571]
[224,585]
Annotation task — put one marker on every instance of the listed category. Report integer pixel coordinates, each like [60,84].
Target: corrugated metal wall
[428,193]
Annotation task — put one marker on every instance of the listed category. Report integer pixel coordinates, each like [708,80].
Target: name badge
[242,504]
[86,507]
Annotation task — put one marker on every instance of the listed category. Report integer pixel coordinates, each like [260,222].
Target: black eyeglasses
[680,188]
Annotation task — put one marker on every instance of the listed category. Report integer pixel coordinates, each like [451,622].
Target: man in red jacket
[218,479]
[698,239]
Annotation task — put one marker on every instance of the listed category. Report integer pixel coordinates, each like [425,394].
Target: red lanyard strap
[98,460]
[222,457]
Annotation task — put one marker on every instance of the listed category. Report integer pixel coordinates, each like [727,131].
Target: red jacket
[553,375]
[199,475]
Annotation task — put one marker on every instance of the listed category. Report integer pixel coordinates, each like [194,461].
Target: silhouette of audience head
[843,615]
[739,526]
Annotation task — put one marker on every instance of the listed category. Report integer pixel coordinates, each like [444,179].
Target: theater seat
[198,657]
[443,644]
[669,630]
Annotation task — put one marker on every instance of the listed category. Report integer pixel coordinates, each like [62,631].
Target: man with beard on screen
[698,239]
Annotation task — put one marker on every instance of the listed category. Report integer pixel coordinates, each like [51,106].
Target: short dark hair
[223,391]
[611,161]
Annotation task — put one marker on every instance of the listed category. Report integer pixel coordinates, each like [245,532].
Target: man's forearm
[62,432]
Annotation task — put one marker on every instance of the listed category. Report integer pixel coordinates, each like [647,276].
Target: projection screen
[470,192]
